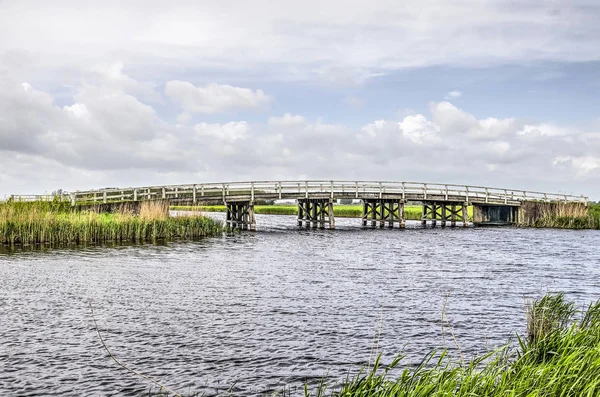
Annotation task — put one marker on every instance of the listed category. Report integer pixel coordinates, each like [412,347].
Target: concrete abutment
[495,215]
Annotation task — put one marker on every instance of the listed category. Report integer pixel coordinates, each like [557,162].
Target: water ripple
[257,312]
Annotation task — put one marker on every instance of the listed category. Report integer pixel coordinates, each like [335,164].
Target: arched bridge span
[383,201]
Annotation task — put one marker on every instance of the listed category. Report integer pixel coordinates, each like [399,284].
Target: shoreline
[56,224]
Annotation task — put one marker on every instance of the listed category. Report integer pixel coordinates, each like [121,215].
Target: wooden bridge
[383,201]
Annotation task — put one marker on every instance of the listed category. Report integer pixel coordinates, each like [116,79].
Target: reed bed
[39,223]
[560,357]
[561,216]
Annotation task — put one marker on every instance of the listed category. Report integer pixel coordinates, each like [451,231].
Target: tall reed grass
[38,223]
[560,357]
[561,215]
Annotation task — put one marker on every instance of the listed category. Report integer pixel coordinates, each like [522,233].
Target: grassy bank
[560,356]
[562,216]
[55,223]
[411,212]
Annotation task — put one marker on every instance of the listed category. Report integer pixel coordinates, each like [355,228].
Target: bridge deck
[218,193]
[383,202]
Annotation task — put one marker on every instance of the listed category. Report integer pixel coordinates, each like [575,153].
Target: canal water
[256,312]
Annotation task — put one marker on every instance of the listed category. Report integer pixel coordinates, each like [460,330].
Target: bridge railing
[24,198]
[308,188]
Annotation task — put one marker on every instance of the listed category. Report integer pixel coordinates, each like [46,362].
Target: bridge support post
[316,213]
[465,215]
[251,217]
[425,214]
[322,218]
[300,214]
[444,212]
[444,218]
[240,215]
[401,216]
[331,214]
[382,211]
[374,213]
[453,215]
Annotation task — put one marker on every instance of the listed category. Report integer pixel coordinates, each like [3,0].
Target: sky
[117,94]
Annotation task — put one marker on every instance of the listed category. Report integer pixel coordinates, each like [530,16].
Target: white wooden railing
[34,197]
[273,190]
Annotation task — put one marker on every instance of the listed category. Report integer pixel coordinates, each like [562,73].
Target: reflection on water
[257,311]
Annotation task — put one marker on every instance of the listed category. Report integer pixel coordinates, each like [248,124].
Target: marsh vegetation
[562,216]
[559,356]
[56,223]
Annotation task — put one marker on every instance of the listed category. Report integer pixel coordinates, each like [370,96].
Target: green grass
[40,223]
[411,212]
[585,218]
[559,357]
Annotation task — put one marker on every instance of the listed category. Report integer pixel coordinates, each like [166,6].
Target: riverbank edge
[46,223]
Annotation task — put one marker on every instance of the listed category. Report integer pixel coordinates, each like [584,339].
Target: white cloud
[581,165]
[372,129]
[454,94]
[461,122]
[231,131]
[287,120]
[102,129]
[543,129]
[104,134]
[214,98]
[112,75]
[295,42]
[78,111]
[499,147]
[418,129]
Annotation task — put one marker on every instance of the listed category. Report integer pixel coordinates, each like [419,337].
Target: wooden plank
[413,191]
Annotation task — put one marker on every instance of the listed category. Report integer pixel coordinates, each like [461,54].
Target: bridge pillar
[495,215]
[444,212]
[316,213]
[240,215]
[384,211]
[444,217]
